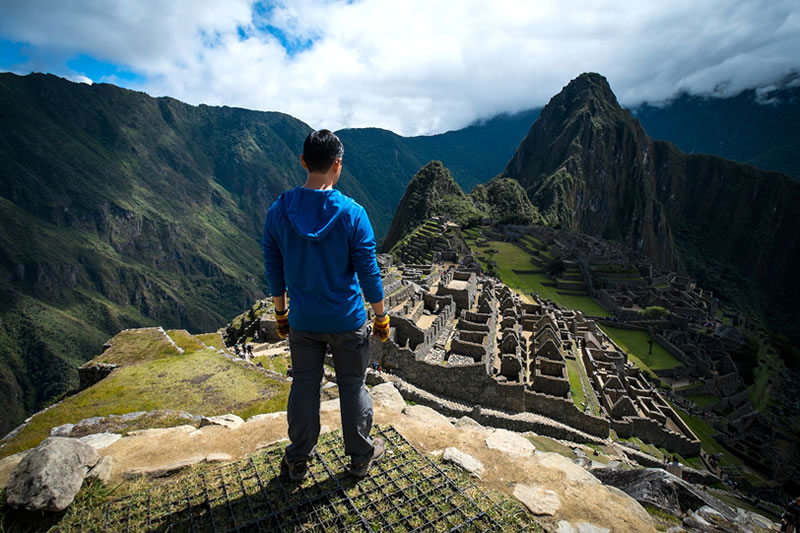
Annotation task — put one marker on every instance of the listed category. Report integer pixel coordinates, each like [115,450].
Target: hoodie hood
[312,213]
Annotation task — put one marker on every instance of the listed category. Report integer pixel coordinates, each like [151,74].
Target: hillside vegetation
[152,376]
[757,126]
[121,210]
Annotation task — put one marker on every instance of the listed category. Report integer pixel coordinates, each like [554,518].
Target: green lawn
[635,343]
[769,366]
[575,385]
[510,257]
[704,400]
[154,376]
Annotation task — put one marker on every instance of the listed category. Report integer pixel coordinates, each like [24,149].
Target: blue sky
[413,67]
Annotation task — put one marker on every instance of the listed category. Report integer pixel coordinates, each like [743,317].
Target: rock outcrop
[659,488]
[50,476]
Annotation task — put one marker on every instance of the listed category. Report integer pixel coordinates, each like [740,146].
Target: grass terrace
[635,343]
[154,376]
[512,261]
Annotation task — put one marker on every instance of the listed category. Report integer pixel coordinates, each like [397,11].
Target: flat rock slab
[218,457]
[467,422]
[538,500]
[654,486]
[98,441]
[571,471]
[425,414]
[510,443]
[50,476]
[163,471]
[229,421]
[329,406]
[266,417]
[465,461]
[582,527]
[387,395]
[160,432]
[62,431]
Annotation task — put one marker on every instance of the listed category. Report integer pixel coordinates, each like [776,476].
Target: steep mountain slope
[120,210]
[758,127]
[588,165]
[386,161]
[584,164]
[431,192]
[504,200]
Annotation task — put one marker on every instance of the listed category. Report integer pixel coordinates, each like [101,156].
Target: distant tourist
[319,247]
[250,350]
[790,517]
[236,348]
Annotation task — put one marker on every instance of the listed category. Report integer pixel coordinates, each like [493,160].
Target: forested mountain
[588,165]
[120,210]
[757,126]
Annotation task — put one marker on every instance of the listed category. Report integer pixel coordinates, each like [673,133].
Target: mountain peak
[584,165]
[429,186]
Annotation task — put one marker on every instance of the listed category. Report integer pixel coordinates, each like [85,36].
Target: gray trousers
[350,359]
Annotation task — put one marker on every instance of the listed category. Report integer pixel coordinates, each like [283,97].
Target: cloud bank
[414,67]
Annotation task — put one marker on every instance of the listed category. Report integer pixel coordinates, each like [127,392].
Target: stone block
[465,461]
[538,500]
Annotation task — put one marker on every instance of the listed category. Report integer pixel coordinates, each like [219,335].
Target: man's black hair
[320,149]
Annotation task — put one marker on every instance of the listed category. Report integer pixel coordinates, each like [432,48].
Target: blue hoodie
[319,244]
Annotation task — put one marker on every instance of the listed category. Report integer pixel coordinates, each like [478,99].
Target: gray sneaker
[360,470]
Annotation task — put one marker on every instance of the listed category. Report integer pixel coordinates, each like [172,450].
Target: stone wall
[406,333]
[565,412]
[649,431]
[470,349]
[679,354]
[469,383]
[553,385]
[89,374]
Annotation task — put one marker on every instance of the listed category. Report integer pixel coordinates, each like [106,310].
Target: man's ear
[303,162]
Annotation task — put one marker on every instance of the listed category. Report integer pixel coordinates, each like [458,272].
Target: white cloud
[79,78]
[420,66]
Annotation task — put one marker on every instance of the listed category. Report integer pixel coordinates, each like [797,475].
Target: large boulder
[659,488]
[51,475]
[388,396]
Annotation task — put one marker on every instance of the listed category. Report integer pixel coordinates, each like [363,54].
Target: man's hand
[282,320]
[380,327]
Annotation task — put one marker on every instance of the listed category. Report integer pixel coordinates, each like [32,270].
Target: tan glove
[282,320]
[380,327]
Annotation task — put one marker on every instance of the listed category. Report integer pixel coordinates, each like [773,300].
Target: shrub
[654,312]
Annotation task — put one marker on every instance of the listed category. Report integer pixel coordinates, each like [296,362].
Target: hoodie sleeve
[362,252]
[273,259]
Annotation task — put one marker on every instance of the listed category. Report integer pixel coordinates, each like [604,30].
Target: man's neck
[319,181]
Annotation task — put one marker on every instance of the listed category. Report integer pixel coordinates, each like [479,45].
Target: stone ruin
[464,336]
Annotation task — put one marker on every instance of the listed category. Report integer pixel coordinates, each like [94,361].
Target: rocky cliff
[588,165]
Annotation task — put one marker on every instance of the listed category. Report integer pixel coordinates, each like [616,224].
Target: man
[319,245]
